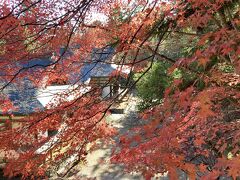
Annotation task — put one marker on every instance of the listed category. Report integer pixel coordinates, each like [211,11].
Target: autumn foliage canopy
[195,128]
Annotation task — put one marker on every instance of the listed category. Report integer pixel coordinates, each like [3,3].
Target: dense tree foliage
[152,85]
[195,128]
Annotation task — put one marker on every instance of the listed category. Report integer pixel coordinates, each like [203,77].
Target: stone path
[94,169]
[98,166]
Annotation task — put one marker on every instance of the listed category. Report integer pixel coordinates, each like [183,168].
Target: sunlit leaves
[183,121]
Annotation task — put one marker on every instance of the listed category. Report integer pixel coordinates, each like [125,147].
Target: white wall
[106,92]
[42,134]
[48,94]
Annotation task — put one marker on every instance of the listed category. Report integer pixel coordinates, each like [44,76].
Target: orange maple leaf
[203,61]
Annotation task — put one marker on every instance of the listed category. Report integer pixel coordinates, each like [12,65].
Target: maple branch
[11,12]
[75,163]
[184,33]
[161,55]
[53,63]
